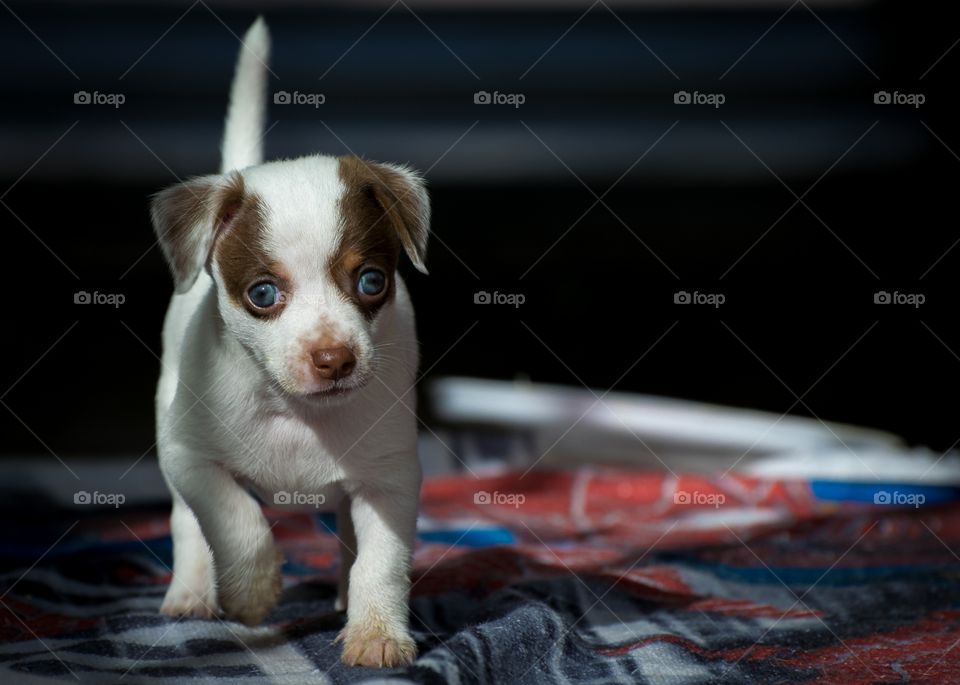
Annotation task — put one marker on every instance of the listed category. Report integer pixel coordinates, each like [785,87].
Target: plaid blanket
[591,576]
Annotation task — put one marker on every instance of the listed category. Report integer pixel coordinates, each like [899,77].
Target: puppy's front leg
[376,633]
[245,558]
[193,590]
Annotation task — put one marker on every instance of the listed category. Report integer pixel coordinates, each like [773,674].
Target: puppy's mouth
[336,390]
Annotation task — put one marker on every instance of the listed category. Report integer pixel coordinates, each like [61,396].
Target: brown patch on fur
[240,252]
[377,222]
[191,217]
[403,204]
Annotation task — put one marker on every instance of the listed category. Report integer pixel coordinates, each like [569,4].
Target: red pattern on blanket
[606,575]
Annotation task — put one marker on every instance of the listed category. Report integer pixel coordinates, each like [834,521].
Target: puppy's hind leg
[193,589]
[348,551]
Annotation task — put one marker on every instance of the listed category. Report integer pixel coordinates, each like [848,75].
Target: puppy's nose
[334,363]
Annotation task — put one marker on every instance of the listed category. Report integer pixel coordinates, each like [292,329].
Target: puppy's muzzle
[333,363]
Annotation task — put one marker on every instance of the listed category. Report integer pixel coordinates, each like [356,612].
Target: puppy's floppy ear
[401,194]
[187,218]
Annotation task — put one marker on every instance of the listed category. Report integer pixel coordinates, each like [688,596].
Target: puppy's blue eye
[372,282]
[264,295]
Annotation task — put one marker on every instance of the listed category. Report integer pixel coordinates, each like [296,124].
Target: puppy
[289,356]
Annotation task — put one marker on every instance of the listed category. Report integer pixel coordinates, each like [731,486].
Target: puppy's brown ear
[401,194]
[187,217]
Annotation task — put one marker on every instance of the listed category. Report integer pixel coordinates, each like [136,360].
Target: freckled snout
[333,363]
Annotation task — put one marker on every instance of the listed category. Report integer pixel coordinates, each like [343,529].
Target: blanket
[589,576]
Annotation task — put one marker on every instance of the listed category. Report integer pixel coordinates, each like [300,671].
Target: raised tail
[243,131]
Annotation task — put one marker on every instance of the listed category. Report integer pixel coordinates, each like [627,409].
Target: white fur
[234,411]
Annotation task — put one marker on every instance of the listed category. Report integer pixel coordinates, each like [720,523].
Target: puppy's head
[304,255]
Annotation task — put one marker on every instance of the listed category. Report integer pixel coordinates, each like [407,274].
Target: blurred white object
[919,466]
[563,424]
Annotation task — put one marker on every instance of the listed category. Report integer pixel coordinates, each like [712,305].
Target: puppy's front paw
[181,602]
[192,593]
[374,646]
[248,592]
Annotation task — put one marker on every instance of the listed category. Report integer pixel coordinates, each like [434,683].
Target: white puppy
[286,347]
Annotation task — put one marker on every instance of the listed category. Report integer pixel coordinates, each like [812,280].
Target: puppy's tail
[243,132]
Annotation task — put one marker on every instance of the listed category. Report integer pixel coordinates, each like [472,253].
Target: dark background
[799,304]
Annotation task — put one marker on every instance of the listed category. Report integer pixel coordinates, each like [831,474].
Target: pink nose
[334,363]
